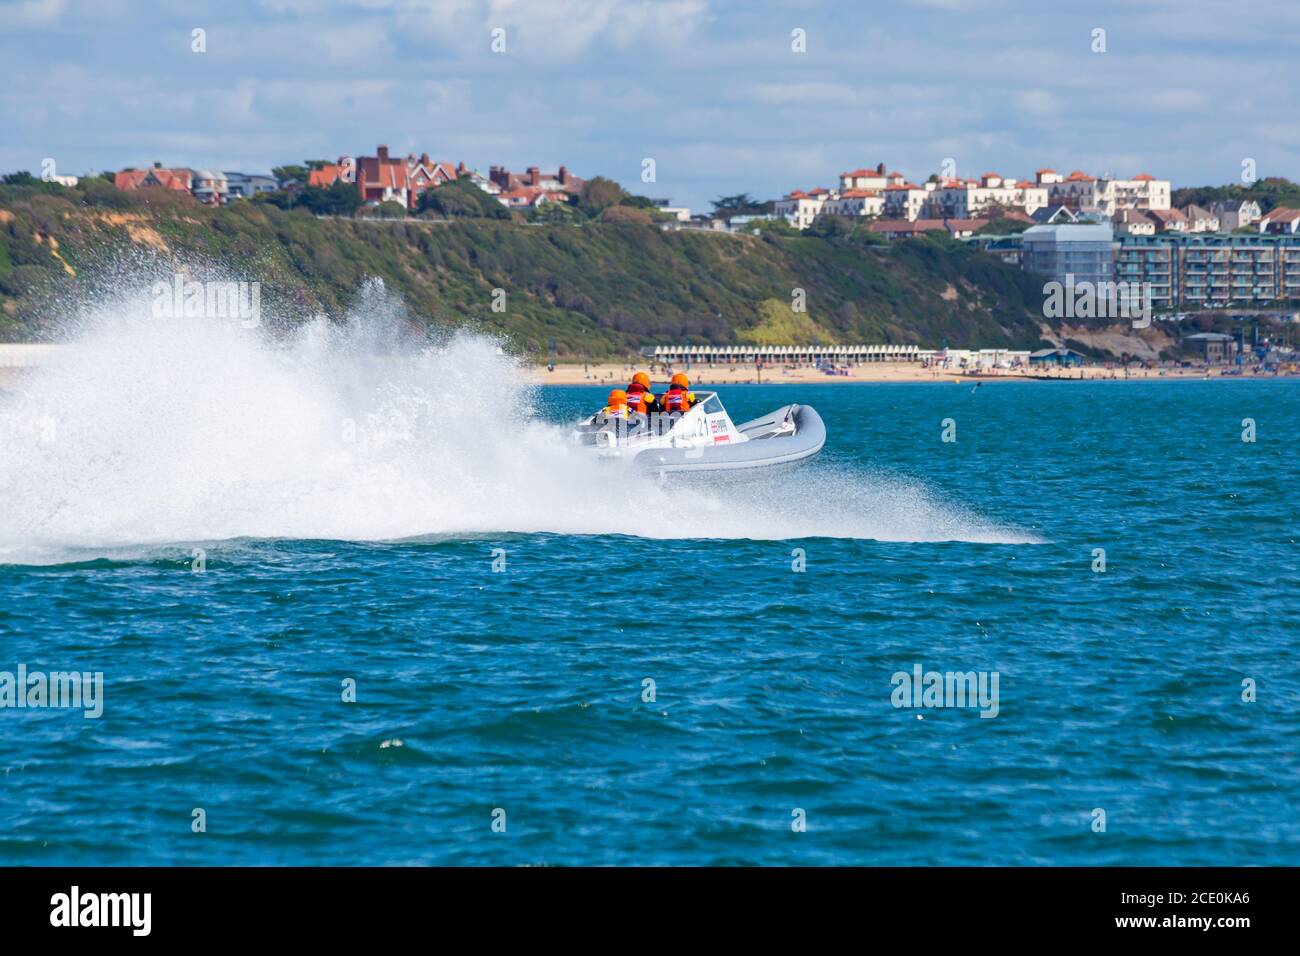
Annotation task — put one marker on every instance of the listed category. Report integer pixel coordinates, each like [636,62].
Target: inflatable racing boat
[705,439]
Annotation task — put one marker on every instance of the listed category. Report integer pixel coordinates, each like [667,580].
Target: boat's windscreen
[712,404]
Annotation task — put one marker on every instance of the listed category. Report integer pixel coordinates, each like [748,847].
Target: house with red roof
[1281,219]
[557,183]
[383,178]
[179,179]
[423,173]
[325,176]
[386,178]
[1169,220]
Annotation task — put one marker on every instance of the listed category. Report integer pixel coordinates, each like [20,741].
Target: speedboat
[704,439]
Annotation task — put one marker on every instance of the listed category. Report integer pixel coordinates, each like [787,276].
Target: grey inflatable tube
[759,452]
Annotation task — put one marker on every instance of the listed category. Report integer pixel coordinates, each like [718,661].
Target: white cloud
[1041,102]
[553,30]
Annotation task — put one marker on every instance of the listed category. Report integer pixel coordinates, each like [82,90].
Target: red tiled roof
[325,175]
[377,173]
[178,179]
[1143,177]
[1283,214]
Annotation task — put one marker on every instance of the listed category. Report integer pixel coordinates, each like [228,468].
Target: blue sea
[606,671]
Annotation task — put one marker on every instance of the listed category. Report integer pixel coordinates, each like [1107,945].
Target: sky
[714,92]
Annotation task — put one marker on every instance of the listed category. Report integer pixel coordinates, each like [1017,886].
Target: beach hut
[1056,358]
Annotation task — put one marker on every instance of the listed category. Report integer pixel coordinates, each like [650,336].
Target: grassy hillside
[604,288]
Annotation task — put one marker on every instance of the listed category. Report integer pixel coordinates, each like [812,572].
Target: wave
[146,432]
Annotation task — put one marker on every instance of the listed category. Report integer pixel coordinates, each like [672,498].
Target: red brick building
[562,181]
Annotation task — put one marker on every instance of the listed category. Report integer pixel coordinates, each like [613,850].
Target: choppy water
[523,689]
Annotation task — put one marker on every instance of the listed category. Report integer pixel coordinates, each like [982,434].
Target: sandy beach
[614,375]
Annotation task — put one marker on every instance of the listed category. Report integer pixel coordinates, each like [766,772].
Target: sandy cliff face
[1118,339]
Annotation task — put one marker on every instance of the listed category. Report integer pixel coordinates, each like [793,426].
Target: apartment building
[1081,251]
[907,200]
[801,208]
[856,202]
[1081,191]
[972,198]
[877,179]
[1191,270]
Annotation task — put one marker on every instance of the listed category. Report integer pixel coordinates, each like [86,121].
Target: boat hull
[756,454]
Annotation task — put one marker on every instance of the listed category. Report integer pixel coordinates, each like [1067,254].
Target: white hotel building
[1081,191]
[875,192]
[971,198]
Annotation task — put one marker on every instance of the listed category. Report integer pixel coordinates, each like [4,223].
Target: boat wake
[146,432]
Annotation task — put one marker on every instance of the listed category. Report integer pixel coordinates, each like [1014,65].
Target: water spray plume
[146,433]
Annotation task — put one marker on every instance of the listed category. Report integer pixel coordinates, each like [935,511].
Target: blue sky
[711,90]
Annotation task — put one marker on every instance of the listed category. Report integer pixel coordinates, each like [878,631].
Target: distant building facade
[1079,190]
[248,185]
[561,181]
[1214,348]
[1239,214]
[210,187]
[1083,251]
[157,175]
[1212,270]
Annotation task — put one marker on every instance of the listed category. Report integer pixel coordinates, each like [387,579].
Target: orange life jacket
[614,411]
[676,399]
[639,398]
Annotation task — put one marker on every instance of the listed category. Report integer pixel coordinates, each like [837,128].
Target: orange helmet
[617,397]
[680,379]
[642,379]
